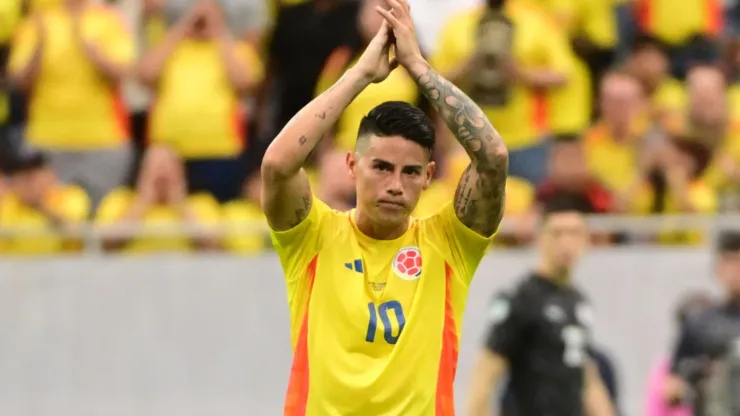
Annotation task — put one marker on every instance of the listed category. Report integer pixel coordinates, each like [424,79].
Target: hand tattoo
[479,198]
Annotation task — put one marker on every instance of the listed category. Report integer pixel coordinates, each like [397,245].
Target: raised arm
[479,198]
[286,195]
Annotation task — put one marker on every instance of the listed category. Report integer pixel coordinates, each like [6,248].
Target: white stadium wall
[208,335]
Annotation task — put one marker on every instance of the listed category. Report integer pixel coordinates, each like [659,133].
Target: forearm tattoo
[479,198]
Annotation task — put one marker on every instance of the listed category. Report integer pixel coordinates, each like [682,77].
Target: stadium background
[195,322]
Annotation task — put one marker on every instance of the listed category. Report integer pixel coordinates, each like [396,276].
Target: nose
[394,186]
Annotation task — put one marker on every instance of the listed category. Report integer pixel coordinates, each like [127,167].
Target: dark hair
[562,203]
[728,241]
[496,4]
[690,304]
[397,118]
[25,162]
[644,42]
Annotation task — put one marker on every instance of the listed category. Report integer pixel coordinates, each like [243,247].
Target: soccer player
[376,296]
[706,362]
[539,333]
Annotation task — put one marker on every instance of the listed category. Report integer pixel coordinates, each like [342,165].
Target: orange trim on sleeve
[714,17]
[297,395]
[238,121]
[644,15]
[120,115]
[540,112]
[448,359]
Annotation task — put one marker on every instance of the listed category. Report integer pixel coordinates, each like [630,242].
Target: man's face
[728,270]
[563,238]
[567,165]
[707,99]
[369,19]
[621,101]
[651,64]
[390,173]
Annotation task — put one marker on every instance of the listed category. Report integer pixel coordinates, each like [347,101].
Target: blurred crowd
[157,112]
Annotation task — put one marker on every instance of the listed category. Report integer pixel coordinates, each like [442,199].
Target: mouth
[393,205]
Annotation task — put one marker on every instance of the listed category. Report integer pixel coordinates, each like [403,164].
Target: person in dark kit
[540,333]
[705,369]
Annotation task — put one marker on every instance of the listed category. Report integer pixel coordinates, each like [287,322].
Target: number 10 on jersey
[383,311]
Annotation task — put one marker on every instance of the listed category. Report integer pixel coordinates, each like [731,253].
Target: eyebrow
[381,161]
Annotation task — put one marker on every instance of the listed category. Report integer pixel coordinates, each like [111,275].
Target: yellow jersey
[116,204]
[524,119]
[675,22]
[72,107]
[375,325]
[69,203]
[197,112]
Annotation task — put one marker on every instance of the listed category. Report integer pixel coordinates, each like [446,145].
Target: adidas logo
[355,265]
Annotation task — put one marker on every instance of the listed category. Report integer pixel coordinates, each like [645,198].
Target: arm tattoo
[479,197]
[302,212]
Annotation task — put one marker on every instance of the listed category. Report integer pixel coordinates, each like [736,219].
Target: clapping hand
[404,38]
[376,64]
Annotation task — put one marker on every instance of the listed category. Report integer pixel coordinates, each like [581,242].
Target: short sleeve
[448,52]
[75,206]
[703,199]
[685,351]
[248,55]
[23,46]
[118,43]
[113,206]
[556,50]
[298,246]
[508,320]
[467,247]
[206,209]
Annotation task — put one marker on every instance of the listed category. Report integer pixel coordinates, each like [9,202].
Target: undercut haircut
[398,118]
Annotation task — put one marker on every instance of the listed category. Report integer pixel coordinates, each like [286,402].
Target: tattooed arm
[479,198]
[286,195]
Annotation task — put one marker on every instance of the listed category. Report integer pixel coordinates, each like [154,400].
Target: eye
[383,167]
[412,171]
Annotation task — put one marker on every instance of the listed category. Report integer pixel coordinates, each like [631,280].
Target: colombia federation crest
[407,263]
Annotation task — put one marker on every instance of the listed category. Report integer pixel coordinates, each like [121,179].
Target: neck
[377,232]
[617,131]
[557,275]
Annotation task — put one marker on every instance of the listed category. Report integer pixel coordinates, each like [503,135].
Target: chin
[391,219]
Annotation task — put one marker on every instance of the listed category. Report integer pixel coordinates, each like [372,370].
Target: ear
[431,168]
[351,160]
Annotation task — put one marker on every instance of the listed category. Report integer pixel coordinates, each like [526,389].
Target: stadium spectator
[692,304]
[73,57]
[335,185]
[648,62]
[509,82]
[159,200]
[198,73]
[303,37]
[592,32]
[246,212]
[689,28]
[708,132]
[37,202]
[10,15]
[399,86]
[569,179]
[615,147]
